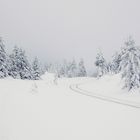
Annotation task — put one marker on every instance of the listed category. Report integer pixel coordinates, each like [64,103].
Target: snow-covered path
[43,111]
[78,89]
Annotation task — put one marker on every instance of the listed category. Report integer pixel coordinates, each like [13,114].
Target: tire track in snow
[78,90]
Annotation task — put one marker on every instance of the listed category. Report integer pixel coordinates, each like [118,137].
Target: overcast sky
[56,29]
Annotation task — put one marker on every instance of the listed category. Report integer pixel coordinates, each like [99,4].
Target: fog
[57,29]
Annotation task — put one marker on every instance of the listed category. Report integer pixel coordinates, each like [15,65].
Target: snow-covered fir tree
[130,65]
[20,66]
[24,65]
[51,67]
[72,69]
[110,68]
[3,60]
[81,69]
[65,68]
[9,65]
[46,67]
[61,71]
[115,65]
[14,57]
[101,64]
[42,68]
[36,72]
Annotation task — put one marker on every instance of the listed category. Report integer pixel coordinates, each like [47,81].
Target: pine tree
[81,69]
[116,63]
[72,69]
[110,68]
[61,71]
[9,65]
[3,60]
[20,66]
[65,68]
[14,69]
[24,66]
[36,70]
[46,67]
[101,64]
[130,65]
[42,69]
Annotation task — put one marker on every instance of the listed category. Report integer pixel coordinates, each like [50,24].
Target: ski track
[77,89]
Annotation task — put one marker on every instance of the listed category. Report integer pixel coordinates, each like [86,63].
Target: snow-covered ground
[111,86]
[41,110]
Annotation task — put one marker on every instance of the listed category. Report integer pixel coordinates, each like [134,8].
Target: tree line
[126,62]
[17,64]
[68,69]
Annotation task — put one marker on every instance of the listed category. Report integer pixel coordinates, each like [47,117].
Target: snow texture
[41,110]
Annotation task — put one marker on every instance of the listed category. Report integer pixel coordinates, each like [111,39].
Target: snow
[111,86]
[41,110]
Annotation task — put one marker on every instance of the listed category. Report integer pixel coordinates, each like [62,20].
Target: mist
[58,29]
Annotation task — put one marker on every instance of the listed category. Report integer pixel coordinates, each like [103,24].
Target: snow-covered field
[42,110]
[111,86]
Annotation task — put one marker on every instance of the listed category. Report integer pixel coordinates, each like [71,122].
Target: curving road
[77,89]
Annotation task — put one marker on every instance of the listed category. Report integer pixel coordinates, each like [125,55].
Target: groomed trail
[76,88]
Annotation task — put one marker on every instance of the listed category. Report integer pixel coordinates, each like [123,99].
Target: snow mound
[48,77]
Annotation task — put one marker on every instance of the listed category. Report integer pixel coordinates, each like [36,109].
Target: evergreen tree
[24,66]
[46,67]
[116,63]
[36,70]
[130,65]
[72,69]
[101,64]
[65,68]
[9,65]
[14,69]
[3,60]
[42,69]
[81,69]
[20,66]
[110,68]
[61,71]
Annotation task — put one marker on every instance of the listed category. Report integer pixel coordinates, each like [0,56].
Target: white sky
[56,29]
